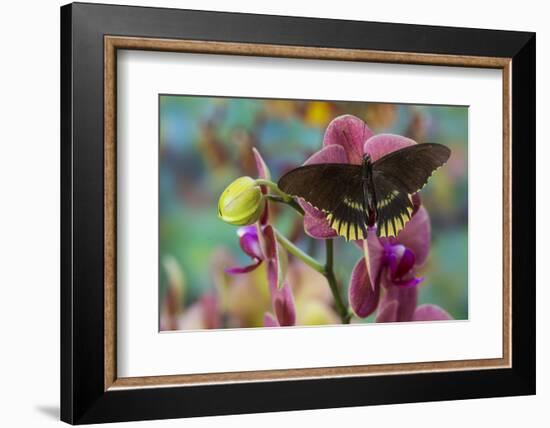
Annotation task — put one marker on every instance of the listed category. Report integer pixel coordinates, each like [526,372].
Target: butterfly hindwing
[393,206]
[335,189]
[348,218]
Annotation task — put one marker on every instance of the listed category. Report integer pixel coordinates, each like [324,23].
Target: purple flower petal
[250,241]
[375,255]
[430,313]
[263,170]
[250,229]
[416,235]
[407,283]
[274,273]
[387,312]
[270,321]
[382,144]
[283,305]
[242,269]
[311,211]
[363,297]
[328,154]
[210,309]
[401,261]
[350,132]
[318,228]
[406,298]
[417,202]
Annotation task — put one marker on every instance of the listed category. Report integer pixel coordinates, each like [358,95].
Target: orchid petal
[250,244]
[382,144]
[350,132]
[261,239]
[388,312]
[406,298]
[250,229]
[417,202]
[401,261]
[242,269]
[363,297]
[416,235]
[263,170]
[282,301]
[374,254]
[318,228]
[311,210]
[328,154]
[270,321]
[430,313]
[274,268]
[210,309]
[407,283]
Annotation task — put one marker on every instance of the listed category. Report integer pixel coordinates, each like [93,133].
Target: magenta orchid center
[400,261]
[249,241]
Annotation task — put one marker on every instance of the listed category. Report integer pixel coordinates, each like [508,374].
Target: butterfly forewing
[397,176]
[335,189]
[412,166]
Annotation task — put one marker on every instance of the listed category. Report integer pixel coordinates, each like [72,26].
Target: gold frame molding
[113,43]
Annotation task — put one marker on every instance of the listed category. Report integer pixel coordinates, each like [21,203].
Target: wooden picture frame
[91,391]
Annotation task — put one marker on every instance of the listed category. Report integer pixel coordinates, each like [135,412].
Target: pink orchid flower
[385,278]
[259,242]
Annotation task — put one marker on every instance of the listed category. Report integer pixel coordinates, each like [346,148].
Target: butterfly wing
[397,176]
[335,189]
[394,206]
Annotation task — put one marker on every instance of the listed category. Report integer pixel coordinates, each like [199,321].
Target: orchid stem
[327,270]
[333,284]
[292,203]
[280,197]
[295,251]
[273,187]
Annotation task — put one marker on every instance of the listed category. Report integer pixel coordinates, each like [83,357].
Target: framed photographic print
[265,213]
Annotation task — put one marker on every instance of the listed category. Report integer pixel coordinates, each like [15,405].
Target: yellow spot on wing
[392,226]
[341,228]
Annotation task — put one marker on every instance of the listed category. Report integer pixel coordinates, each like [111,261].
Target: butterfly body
[369,191]
[355,197]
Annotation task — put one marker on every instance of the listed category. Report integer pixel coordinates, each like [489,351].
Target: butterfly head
[366,159]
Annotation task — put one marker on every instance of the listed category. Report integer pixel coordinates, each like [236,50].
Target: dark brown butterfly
[356,196]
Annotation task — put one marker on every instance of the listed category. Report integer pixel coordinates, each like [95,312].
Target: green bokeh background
[205,143]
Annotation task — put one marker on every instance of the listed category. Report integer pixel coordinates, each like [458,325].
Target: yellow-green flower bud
[241,203]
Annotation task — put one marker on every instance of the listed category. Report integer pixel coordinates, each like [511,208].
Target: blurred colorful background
[206,142]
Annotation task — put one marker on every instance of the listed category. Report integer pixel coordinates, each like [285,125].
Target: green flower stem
[280,196]
[295,251]
[274,188]
[333,284]
[292,203]
[327,270]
